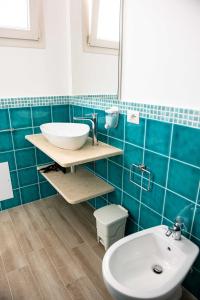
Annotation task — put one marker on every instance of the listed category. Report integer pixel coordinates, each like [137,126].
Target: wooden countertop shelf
[79,186]
[68,158]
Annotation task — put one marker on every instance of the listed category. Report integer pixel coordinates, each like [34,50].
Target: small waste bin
[110,222]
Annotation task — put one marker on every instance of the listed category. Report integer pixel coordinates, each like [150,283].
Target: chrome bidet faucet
[176,230]
[92,118]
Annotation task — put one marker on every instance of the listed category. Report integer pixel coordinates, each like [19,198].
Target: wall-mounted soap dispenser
[112,117]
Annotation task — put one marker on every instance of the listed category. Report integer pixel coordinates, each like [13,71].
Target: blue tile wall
[190,137]
[21,156]
[167,140]
[172,153]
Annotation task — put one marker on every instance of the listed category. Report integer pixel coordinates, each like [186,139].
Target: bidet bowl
[71,136]
[148,265]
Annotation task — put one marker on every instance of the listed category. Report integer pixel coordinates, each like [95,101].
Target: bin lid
[110,213]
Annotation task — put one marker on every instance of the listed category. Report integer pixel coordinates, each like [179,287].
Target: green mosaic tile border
[33,101]
[181,116]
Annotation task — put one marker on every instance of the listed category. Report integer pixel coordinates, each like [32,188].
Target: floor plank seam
[28,265]
[7,278]
[50,251]
[46,251]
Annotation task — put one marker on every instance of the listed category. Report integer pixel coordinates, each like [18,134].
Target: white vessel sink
[128,265]
[71,136]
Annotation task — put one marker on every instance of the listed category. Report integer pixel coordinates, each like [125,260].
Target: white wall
[40,72]
[91,73]
[161,52]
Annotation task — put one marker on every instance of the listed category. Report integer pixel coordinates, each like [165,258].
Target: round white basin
[148,265]
[71,136]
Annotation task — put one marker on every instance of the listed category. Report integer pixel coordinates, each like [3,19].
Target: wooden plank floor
[48,250]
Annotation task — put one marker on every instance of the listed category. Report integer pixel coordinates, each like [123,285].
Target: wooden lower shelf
[78,187]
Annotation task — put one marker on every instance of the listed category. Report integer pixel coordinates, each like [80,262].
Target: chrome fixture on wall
[143,169]
[93,119]
[176,230]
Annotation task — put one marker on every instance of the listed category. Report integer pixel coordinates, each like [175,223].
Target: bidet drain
[157,269]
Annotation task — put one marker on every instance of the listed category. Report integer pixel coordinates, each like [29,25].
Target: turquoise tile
[130,187]
[148,218]
[10,158]
[101,168]
[157,164]
[5,141]
[131,227]
[20,117]
[30,193]
[47,190]
[115,197]
[134,133]
[118,144]
[132,155]
[92,202]
[196,225]
[77,111]
[15,201]
[42,158]
[102,138]
[167,222]
[14,180]
[25,158]
[132,206]
[27,176]
[115,174]
[41,177]
[118,132]
[88,111]
[177,206]
[158,136]
[36,130]
[154,198]
[60,113]
[41,115]
[71,113]
[4,117]
[19,138]
[100,202]
[183,179]
[90,165]
[186,144]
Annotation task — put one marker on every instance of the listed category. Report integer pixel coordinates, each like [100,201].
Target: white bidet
[148,265]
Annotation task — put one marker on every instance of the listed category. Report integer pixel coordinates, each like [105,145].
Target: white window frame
[90,41]
[26,38]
